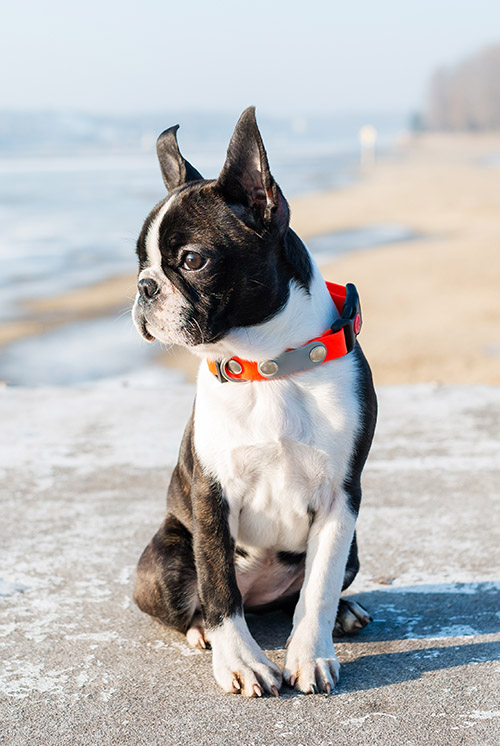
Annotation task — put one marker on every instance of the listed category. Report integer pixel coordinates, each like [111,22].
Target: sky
[312,56]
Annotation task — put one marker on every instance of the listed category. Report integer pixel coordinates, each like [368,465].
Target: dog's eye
[193,260]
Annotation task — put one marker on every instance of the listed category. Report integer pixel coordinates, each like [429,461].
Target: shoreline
[430,305]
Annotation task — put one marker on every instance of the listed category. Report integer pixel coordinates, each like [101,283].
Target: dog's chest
[280,452]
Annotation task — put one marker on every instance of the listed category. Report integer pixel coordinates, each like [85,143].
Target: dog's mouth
[145,331]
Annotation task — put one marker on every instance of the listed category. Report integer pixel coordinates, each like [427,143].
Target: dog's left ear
[175,169]
[246,178]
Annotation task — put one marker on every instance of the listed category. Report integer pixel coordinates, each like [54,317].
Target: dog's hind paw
[351,618]
[195,636]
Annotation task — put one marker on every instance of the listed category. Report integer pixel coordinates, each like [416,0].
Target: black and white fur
[263,501]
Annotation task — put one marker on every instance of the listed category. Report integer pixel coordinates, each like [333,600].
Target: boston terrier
[263,501]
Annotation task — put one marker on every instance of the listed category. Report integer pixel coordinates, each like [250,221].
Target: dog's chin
[152,329]
[151,333]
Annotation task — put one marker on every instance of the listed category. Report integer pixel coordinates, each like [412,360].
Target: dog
[262,503]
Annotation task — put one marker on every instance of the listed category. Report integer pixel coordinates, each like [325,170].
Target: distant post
[367,140]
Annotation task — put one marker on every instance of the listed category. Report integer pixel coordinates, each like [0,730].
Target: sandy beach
[431,305]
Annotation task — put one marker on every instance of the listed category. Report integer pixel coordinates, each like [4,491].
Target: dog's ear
[175,170]
[246,179]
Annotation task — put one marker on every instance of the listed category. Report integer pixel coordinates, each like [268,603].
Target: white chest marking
[280,449]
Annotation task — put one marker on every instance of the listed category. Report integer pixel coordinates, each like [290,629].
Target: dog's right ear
[175,170]
[246,179]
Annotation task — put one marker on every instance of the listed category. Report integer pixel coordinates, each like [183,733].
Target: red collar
[334,343]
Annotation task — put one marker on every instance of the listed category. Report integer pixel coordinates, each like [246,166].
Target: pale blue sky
[283,56]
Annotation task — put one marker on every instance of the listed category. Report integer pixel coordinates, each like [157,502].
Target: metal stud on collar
[317,354]
[268,368]
[233,366]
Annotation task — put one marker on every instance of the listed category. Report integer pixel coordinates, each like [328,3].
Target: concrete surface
[84,474]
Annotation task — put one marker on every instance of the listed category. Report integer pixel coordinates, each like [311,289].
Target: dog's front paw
[238,662]
[311,664]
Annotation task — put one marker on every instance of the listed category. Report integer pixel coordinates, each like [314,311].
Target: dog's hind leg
[352,564]
[166,585]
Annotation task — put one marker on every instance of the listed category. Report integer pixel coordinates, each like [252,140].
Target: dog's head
[216,255]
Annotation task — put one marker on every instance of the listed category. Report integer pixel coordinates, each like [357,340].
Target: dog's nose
[148,288]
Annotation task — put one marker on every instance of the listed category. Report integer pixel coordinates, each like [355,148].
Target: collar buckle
[223,371]
[351,319]
[220,375]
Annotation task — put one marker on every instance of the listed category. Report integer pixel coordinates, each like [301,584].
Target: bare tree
[466,96]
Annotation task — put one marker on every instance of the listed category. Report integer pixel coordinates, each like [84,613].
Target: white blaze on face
[153,237]
[165,316]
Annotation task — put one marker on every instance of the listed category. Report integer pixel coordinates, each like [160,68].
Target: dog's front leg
[238,662]
[311,664]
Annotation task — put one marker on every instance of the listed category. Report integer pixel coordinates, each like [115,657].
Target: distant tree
[466,96]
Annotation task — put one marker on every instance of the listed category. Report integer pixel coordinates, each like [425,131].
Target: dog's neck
[305,315]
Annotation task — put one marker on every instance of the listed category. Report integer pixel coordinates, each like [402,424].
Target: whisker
[124,313]
[199,329]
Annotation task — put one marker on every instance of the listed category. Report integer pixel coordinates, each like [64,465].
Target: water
[68,222]
[74,192]
[330,245]
[78,353]
[75,189]
[111,347]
